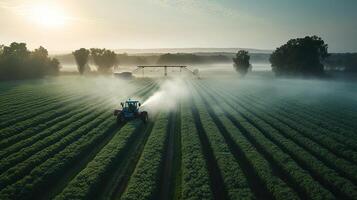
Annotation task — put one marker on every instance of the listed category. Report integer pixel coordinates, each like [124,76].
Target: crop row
[234,179]
[75,132]
[171,173]
[144,182]
[85,183]
[323,137]
[258,169]
[30,127]
[24,91]
[322,114]
[48,138]
[104,165]
[298,178]
[326,111]
[45,117]
[115,184]
[195,178]
[14,112]
[40,96]
[39,112]
[333,111]
[77,142]
[47,128]
[38,132]
[50,170]
[32,103]
[327,177]
[336,162]
[283,123]
[330,127]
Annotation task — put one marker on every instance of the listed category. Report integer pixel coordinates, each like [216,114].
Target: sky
[65,25]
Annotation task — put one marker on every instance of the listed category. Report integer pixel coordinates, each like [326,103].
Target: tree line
[298,57]
[306,56]
[17,62]
[342,62]
[103,59]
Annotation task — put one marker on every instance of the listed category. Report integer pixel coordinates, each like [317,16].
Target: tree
[351,62]
[40,52]
[1,49]
[17,62]
[54,67]
[104,59]
[81,56]
[301,56]
[241,62]
[16,50]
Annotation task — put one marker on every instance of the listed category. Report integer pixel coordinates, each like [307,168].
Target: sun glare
[47,16]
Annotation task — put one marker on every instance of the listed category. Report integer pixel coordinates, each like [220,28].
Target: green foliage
[144,182]
[1,49]
[277,188]
[346,62]
[104,59]
[36,112]
[44,173]
[315,166]
[301,56]
[195,178]
[241,62]
[314,157]
[16,62]
[234,179]
[82,56]
[288,149]
[85,183]
[58,147]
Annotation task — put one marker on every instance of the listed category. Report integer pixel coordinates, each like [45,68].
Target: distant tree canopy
[1,49]
[187,58]
[351,62]
[17,62]
[104,59]
[82,56]
[342,62]
[126,59]
[301,56]
[241,62]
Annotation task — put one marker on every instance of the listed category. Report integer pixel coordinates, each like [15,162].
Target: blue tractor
[129,111]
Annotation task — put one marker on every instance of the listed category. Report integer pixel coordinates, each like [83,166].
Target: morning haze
[178,99]
[62,26]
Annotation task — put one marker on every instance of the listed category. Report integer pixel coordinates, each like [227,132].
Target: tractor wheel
[144,116]
[120,119]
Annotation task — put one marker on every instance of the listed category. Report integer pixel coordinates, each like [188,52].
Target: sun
[49,16]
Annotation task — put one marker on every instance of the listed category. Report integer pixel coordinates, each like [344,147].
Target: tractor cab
[130,110]
[130,107]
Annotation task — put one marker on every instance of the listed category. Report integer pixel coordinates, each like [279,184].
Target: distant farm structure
[165,67]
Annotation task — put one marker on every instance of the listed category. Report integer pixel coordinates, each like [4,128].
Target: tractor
[129,111]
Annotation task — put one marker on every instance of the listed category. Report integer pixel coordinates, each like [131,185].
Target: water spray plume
[166,98]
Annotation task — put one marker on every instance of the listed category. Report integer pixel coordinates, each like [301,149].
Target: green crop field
[213,139]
